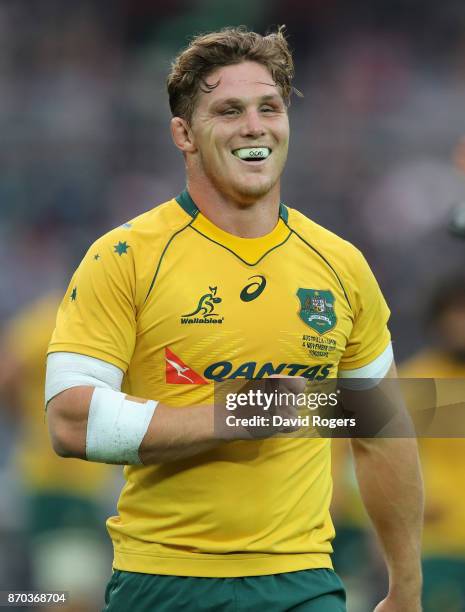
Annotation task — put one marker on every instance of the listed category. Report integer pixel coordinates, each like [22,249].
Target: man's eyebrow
[270,97]
[237,101]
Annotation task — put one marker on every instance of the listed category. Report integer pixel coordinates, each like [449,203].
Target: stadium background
[375,156]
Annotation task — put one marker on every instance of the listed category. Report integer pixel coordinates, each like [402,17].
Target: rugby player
[226,282]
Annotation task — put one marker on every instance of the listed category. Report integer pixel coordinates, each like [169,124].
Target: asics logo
[253,289]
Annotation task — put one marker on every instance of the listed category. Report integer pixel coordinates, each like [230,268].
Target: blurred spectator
[65,501]
[443,459]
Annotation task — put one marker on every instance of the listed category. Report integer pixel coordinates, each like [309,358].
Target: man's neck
[245,220]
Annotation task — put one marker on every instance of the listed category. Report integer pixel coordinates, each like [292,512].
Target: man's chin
[250,192]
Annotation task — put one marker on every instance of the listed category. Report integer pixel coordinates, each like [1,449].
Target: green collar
[187,203]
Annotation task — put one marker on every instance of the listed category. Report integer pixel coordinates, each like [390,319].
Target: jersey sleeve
[370,334]
[97,316]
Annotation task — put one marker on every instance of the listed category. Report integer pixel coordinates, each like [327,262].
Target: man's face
[244,116]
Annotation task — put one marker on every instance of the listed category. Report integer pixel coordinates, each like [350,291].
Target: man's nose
[252,125]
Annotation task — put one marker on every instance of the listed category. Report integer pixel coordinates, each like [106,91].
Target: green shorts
[444,584]
[317,590]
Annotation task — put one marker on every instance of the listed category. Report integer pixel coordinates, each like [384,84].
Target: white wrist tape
[116,427]
[370,375]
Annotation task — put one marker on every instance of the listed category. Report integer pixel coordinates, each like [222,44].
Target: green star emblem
[74,294]
[121,248]
[96,257]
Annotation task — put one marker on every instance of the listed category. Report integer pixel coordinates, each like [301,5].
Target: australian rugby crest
[317,309]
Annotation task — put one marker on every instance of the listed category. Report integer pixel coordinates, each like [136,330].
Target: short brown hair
[207,52]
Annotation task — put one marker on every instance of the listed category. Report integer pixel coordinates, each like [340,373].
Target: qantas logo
[178,373]
[224,370]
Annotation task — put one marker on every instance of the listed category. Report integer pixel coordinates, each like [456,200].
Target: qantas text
[223,370]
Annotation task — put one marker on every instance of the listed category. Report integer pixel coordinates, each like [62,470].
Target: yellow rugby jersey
[177,304]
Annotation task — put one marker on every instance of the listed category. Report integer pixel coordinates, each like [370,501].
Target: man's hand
[398,604]
[261,401]
[404,593]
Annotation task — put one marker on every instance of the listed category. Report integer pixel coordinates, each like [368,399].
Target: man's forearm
[163,433]
[173,433]
[389,476]
[178,433]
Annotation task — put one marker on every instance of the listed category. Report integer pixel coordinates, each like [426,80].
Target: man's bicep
[67,414]
[371,374]
[68,370]
[378,406]
[392,372]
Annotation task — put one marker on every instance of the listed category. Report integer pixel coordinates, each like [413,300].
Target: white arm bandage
[67,370]
[116,426]
[370,375]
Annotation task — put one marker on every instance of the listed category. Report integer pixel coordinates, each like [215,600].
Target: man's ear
[182,135]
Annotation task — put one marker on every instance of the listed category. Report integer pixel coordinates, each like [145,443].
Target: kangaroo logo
[177,367]
[178,372]
[205,310]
